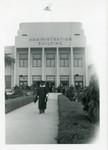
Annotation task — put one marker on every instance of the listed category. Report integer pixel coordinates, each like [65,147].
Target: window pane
[51,56]
[23,60]
[64,56]
[52,63]
[78,55]
[75,55]
[35,56]
[23,56]
[36,78]
[80,63]
[75,63]
[25,63]
[50,78]
[8,82]
[62,63]
[34,63]
[21,63]
[48,63]
[21,83]
[76,83]
[39,63]
[66,63]
[25,82]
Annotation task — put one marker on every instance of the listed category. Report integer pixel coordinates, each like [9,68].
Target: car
[9,92]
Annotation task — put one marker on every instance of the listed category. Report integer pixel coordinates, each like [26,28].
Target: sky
[91,13]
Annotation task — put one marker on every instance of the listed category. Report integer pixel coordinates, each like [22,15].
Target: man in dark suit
[42,95]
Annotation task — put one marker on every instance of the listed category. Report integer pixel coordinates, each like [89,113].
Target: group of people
[42,97]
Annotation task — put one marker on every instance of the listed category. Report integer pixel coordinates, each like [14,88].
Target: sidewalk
[26,126]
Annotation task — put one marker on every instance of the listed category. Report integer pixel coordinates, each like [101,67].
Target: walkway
[26,126]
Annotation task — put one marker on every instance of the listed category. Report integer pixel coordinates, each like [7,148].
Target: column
[72,65]
[15,66]
[29,65]
[43,64]
[57,68]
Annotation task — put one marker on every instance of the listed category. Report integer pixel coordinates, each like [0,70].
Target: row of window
[50,60]
[64,79]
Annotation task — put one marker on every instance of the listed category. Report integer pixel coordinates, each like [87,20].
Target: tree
[90,100]
[9,60]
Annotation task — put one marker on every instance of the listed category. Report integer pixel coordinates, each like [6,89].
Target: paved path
[26,126]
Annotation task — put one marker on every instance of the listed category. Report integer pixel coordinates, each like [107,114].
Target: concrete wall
[32,31]
[66,34]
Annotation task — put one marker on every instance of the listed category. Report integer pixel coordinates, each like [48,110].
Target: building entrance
[64,80]
[23,81]
[36,80]
[78,81]
[50,83]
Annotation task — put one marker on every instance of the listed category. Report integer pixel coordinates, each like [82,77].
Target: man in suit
[42,95]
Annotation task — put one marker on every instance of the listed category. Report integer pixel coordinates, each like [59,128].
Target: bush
[74,126]
[90,100]
[70,94]
[13,104]
[6,96]
[17,93]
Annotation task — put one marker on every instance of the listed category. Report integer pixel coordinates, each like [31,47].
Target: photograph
[54,74]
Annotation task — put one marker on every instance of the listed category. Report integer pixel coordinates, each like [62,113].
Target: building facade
[53,52]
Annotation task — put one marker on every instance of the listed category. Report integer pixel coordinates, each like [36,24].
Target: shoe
[43,111]
[40,111]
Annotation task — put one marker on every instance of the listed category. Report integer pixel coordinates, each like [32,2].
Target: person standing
[42,95]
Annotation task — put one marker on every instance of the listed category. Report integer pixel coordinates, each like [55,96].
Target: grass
[74,126]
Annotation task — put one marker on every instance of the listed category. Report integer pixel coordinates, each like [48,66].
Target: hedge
[74,126]
[90,101]
[12,104]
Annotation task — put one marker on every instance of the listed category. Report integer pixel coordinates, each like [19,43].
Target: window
[50,60]
[78,79]
[23,60]
[8,54]
[8,82]
[50,78]
[77,34]
[23,80]
[78,60]
[64,80]
[36,60]
[64,60]
[50,82]
[24,34]
[36,80]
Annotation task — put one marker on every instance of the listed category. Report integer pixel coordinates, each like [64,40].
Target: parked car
[9,92]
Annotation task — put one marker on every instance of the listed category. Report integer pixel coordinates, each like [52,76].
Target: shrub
[13,104]
[6,96]
[17,93]
[70,94]
[90,100]
[74,126]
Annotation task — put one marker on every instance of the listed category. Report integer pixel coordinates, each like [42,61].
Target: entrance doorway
[50,83]
[23,81]
[36,81]
[78,79]
[64,80]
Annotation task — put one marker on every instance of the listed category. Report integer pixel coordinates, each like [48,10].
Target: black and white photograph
[53,74]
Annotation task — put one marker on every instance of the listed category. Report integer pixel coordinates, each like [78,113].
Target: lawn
[74,126]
